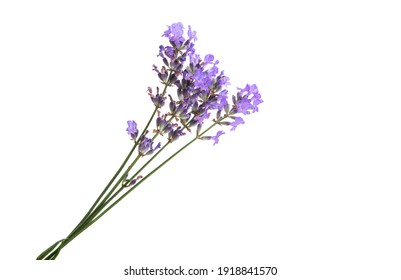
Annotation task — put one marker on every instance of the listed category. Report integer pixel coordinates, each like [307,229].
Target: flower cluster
[200,89]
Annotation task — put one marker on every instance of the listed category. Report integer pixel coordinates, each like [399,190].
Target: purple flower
[244,105]
[194,58]
[222,81]
[175,134]
[169,52]
[163,126]
[145,146]
[208,58]
[190,50]
[222,99]
[202,79]
[236,122]
[161,51]
[191,34]
[248,99]
[177,29]
[216,137]
[201,118]
[158,100]
[213,71]
[174,33]
[200,87]
[132,129]
[256,97]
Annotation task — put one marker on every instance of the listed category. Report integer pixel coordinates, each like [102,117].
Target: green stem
[46,252]
[84,227]
[140,182]
[104,202]
[106,188]
[89,216]
[138,172]
[92,210]
[149,161]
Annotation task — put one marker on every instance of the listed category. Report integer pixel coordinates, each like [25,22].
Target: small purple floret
[132,129]
[208,58]
[216,137]
[201,118]
[145,146]
[175,32]
[192,34]
[236,122]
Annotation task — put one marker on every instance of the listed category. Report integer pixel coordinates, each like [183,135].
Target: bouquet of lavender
[199,93]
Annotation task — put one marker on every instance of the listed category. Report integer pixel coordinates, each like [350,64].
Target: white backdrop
[309,184]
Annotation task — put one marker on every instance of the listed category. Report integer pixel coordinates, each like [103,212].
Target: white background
[310,184]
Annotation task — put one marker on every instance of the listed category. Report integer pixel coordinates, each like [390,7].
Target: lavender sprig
[200,99]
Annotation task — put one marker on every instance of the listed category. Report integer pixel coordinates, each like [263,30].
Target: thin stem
[92,211]
[140,182]
[153,139]
[84,227]
[105,189]
[104,201]
[88,214]
[143,167]
[120,180]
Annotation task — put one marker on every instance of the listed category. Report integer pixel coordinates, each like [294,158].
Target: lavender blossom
[175,134]
[194,58]
[216,137]
[132,129]
[201,118]
[158,100]
[179,111]
[248,99]
[221,101]
[145,146]
[174,33]
[200,87]
[191,34]
[163,126]
[208,59]
[237,121]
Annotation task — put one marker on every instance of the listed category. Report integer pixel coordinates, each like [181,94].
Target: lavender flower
[145,146]
[191,34]
[132,129]
[221,101]
[175,134]
[237,121]
[200,87]
[194,58]
[179,111]
[216,137]
[248,99]
[174,33]
[201,118]
[163,126]
[208,59]
[158,100]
